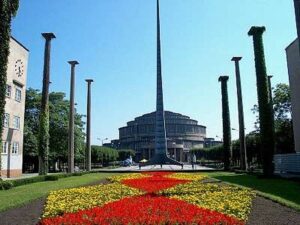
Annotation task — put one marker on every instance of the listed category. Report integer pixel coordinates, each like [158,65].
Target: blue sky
[115,44]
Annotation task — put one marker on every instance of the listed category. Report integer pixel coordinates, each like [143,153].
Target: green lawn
[23,194]
[283,191]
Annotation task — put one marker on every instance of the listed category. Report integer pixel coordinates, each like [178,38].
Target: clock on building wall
[19,68]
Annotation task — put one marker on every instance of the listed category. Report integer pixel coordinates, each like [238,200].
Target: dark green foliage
[77,174]
[212,153]
[30,180]
[8,9]
[103,155]
[43,142]
[282,102]
[51,178]
[284,139]
[125,154]
[58,130]
[253,150]
[216,153]
[265,110]
[226,122]
[5,185]
[283,119]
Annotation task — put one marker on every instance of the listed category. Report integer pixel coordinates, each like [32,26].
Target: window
[6,120]
[4,147]
[15,148]
[16,122]
[18,96]
[8,91]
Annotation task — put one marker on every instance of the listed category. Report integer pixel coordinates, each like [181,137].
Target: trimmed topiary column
[265,111]
[44,112]
[8,9]
[226,122]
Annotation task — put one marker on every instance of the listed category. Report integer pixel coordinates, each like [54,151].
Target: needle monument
[160,154]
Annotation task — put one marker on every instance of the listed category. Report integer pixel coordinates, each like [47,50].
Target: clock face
[19,68]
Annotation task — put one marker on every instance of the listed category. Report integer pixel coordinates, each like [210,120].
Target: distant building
[113,144]
[12,137]
[290,163]
[211,142]
[183,134]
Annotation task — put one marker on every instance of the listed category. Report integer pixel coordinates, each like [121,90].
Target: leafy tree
[8,9]
[103,155]
[253,149]
[265,110]
[282,102]
[58,120]
[283,121]
[125,154]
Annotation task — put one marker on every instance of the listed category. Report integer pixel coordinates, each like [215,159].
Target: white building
[290,163]
[12,137]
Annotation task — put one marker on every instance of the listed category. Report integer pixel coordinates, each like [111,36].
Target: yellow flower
[74,199]
[231,200]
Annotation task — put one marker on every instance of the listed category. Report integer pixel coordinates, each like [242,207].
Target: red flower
[146,210]
[156,182]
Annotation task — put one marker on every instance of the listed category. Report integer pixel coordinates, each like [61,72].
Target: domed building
[183,134]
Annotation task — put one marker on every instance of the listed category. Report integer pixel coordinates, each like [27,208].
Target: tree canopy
[283,121]
[58,120]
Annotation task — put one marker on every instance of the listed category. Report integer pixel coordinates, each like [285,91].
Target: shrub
[77,174]
[51,178]
[30,180]
[5,185]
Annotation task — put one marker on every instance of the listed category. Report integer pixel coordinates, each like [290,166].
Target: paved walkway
[174,168]
[158,168]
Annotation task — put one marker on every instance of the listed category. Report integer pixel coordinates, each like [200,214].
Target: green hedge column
[226,122]
[8,9]
[265,111]
[44,113]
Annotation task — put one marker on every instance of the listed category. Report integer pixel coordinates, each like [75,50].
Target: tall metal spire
[160,157]
[160,130]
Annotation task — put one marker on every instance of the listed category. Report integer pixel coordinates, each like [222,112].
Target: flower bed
[227,199]
[170,198]
[75,199]
[154,183]
[145,209]
[119,178]
[188,176]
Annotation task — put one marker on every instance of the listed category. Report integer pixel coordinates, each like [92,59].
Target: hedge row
[5,185]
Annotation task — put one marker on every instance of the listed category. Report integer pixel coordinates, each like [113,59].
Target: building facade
[290,163]
[12,137]
[183,134]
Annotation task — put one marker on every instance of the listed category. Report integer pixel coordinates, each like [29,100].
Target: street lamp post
[102,140]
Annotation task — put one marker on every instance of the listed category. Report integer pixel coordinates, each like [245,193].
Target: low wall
[13,173]
[287,163]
